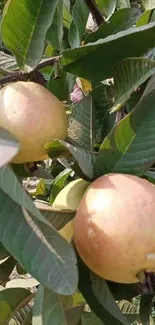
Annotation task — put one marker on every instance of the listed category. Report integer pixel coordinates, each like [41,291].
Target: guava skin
[114,227]
[34,116]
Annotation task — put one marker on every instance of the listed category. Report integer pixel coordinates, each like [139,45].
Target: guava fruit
[114,227]
[34,116]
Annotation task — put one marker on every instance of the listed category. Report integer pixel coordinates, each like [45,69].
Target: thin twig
[97,15]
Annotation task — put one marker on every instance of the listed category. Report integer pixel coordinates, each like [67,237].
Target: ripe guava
[34,116]
[114,227]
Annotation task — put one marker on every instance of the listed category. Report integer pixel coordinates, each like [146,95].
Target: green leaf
[11,300]
[81,129]
[129,148]
[43,252]
[80,61]
[120,20]
[55,32]
[83,161]
[9,147]
[24,27]
[144,18]
[57,218]
[40,238]
[73,315]
[85,287]
[67,17]
[123,4]
[104,296]
[48,308]
[59,183]
[89,318]
[107,7]
[78,24]
[129,74]
[59,86]
[103,119]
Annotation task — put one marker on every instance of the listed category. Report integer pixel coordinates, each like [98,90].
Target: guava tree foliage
[98,57]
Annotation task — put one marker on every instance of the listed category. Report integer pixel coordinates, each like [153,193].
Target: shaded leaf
[81,130]
[73,315]
[145,308]
[6,269]
[89,318]
[104,121]
[85,287]
[120,20]
[25,39]
[7,62]
[40,239]
[48,308]
[80,61]
[57,218]
[129,75]
[9,147]
[55,32]
[104,296]
[129,148]
[59,86]
[84,160]
[11,300]
[77,27]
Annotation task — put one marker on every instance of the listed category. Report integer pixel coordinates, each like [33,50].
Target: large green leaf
[104,296]
[57,269]
[129,148]
[24,28]
[85,287]
[38,248]
[81,130]
[120,20]
[9,147]
[129,74]
[10,301]
[77,27]
[80,61]
[48,308]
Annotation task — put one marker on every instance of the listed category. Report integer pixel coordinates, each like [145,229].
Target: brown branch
[18,75]
[97,15]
